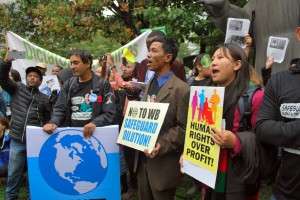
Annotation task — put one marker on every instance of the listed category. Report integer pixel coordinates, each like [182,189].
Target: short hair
[85,56]
[15,75]
[169,45]
[154,35]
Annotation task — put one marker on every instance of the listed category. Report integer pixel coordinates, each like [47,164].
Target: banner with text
[201,154]
[65,165]
[32,54]
[142,123]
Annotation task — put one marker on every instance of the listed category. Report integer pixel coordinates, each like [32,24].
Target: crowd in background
[101,95]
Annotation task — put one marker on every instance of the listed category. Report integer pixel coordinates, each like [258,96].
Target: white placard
[277,47]
[236,31]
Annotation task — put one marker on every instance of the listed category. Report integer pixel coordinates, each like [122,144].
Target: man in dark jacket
[28,107]
[85,100]
[278,124]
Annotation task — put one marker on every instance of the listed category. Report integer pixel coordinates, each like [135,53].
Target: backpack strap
[245,104]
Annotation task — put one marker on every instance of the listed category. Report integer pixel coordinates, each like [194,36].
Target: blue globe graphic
[72,164]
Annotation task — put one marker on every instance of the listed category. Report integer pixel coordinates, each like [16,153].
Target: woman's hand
[225,138]
[181,163]
[269,62]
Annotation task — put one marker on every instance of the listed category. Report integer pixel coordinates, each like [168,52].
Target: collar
[163,78]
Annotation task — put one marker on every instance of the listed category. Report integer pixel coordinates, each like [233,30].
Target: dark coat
[103,112]
[28,107]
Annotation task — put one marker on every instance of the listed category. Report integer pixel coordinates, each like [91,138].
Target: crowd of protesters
[258,144]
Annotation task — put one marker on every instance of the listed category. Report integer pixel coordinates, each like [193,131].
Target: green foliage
[185,23]
[98,46]
[54,24]
[59,25]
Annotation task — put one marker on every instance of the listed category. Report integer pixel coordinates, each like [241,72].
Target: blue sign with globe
[71,166]
[83,157]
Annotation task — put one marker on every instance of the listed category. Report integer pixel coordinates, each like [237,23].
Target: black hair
[239,85]
[154,35]
[169,45]
[85,56]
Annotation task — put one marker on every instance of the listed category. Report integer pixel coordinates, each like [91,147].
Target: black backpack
[268,154]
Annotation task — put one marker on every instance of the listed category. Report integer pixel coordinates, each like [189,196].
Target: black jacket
[28,107]
[272,127]
[103,113]
[278,124]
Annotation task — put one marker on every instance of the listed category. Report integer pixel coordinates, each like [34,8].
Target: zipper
[27,114]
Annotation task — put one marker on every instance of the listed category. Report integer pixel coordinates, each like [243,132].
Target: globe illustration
[72,164]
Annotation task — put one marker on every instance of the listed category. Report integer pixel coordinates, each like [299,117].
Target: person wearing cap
[28,107]
[42,67]
[86,100]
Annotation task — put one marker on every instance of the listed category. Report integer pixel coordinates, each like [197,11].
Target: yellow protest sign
[201,154]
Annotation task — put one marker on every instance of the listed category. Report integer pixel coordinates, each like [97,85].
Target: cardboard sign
[142,124]
[65,165]
[201,154]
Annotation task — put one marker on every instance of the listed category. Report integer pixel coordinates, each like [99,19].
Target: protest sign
[201,154]
[65,165]
[137,46]
[236,30]
[33,54]
[277,47]
[142,123]
[49,84]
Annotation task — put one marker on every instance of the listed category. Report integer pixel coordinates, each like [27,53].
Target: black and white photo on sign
[235,39]
[277,43]
[277,48]
[236,31]
[235,25]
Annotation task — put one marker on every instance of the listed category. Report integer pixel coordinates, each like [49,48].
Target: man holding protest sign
[85,101]
[158,170]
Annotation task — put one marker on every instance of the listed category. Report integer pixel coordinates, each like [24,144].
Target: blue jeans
[16,166]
